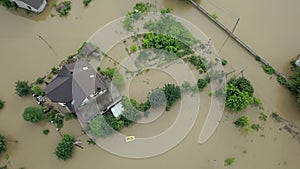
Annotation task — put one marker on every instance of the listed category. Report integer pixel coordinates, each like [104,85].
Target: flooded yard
[270,28]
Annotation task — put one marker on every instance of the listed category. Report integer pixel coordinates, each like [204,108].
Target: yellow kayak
[129,138]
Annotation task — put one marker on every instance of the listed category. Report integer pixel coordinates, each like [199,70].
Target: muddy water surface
[25,57]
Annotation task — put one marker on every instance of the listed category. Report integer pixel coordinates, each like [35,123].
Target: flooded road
[273,34]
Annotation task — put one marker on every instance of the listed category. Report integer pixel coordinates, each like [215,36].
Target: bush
[54,70]
[237,100]
[114,122]
[33,114]
[263,116]
[133,48]
[172,93]
[165,10]
[229,161]
[63,8]
[255,127]
[257,58]
[86,2]
[130,113]
[22,88]
[46,131]
[56,118]
[224,62]
[199,62]
[243,121]
[115,76]
[201,84]
[242,84]
[281,80]
[157,98]
[99,127]
[8,4]
[64,149]
[268,69]
[1,104]
[2,144]
[37,90]
[40,80]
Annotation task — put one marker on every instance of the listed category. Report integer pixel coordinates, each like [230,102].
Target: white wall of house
[21,4]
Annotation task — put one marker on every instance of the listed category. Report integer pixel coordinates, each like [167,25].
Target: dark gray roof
[34,3]
[87,49]
[74,83]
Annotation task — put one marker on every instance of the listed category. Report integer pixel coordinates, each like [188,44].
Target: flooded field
[271,30]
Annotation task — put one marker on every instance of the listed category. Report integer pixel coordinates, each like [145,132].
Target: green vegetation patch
[3,147]
[33,114]
[114,74]
[35,89]
[199,62]
[243,122]
[172,93]
[86,2]
[64,149]
[1,104]
[169,26]
[22,88]
[134,15]
[268,69]
[8,4]
[165,42]
[46,131]
[239,94]
[229,161]
[63,8]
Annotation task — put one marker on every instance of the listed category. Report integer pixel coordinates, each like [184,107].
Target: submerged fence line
[238,40]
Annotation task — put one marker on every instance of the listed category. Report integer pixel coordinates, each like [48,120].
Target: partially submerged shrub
[33,114]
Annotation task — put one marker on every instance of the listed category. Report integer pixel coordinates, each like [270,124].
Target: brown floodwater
[270,27]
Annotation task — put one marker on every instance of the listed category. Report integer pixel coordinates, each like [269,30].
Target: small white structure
[298,62]
[117,109]
[31,5]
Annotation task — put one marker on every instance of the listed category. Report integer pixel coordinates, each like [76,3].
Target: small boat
[129,138]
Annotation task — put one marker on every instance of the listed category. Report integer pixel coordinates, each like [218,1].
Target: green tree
[243,121]
[64,149]
[229,161]
[172,93]
[133,48]
[1,104]
[114,74]
[201,84]
[242,84]
[130,113]
[86,2]
[40,80]
[2,144]
[37,90]
[157,98]
[33,114]
[255,127]
[99,127]
[113,122]
[237,100]
[22,88]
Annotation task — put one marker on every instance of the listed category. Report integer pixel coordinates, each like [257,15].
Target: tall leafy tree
[22,88]
[64,149]
[33,114]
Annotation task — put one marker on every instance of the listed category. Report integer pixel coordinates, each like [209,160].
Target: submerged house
[31,5]
[75,83]
[78,83]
